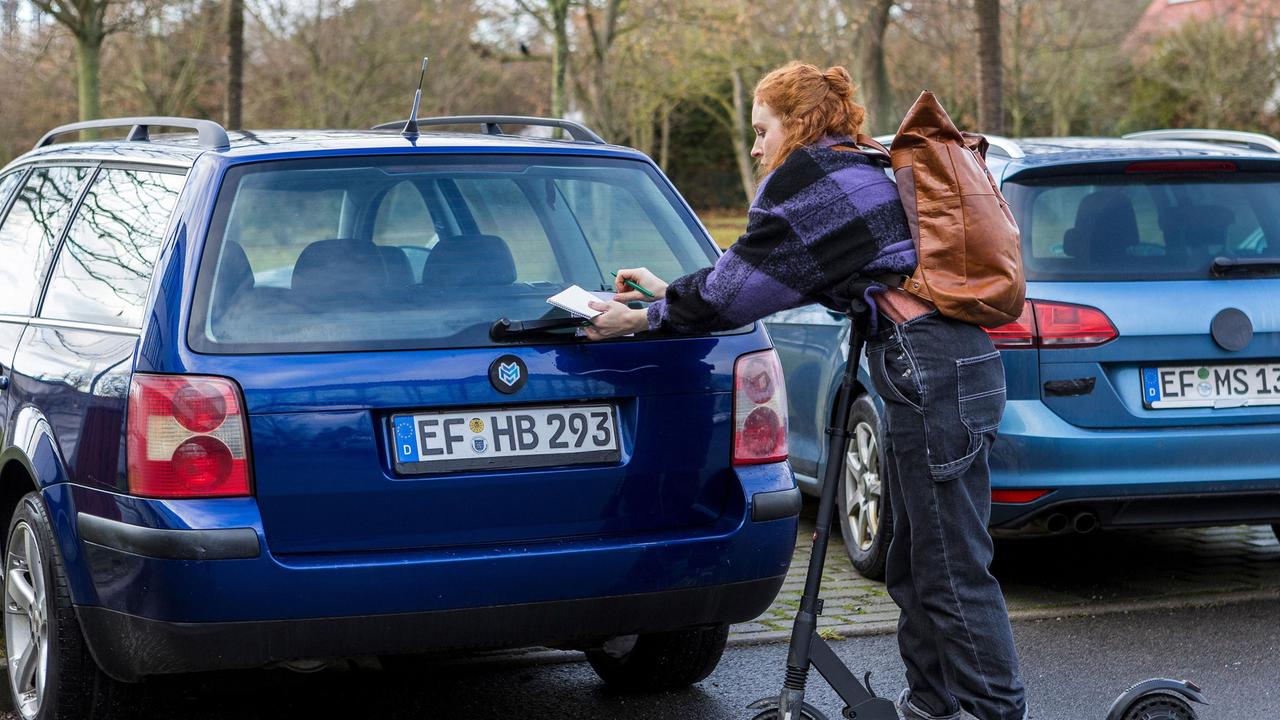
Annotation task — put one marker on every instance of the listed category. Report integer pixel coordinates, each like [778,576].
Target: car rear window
[1138,227]
[398,252]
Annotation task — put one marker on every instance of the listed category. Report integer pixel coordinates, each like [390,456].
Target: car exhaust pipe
[1057,523]
[1085,522]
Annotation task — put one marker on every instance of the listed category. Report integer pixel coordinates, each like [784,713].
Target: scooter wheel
[807,712]
[1161,706]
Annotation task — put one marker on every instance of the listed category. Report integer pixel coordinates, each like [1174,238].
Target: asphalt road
[1073,667]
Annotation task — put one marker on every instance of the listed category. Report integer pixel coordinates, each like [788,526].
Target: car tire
[65,683]
[661,661]
[866,520]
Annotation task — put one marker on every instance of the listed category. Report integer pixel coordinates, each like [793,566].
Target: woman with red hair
[826,227]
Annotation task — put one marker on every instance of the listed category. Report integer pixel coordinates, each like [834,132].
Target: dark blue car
[1144,376]
[285,397]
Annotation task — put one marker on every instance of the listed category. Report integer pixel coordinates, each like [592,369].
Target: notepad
[574,299]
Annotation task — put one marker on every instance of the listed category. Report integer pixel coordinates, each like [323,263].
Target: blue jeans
[943,388]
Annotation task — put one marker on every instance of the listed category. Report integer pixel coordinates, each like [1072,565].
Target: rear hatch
[1154,288]
[354,300]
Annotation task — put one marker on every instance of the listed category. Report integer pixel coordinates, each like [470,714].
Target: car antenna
[411,127]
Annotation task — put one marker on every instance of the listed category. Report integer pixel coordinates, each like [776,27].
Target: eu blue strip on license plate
[1151,384]
[406,440]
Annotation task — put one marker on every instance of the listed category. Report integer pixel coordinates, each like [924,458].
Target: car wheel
[866,520]
[51,673]
[660,661]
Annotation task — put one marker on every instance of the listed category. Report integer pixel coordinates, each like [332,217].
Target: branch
[59,13]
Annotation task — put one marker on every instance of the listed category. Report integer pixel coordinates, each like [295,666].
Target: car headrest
[1106,226]
[339,267]
[470,260]
[1187,226]
[235,275]
[396,262]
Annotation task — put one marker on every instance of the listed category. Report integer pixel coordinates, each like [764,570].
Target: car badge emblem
[508,374]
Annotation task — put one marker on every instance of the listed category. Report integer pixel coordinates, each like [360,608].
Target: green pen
[634,286]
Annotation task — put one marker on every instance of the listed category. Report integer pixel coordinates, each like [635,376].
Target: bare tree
[88,22]
[553,17]
[235,62]
[990,67]
[9,17]
[873,68]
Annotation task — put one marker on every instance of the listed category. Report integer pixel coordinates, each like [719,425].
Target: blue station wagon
[1144,375]
[283,397]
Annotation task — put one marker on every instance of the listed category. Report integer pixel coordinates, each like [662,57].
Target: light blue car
[1144,376]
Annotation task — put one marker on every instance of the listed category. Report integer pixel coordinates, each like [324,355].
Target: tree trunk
[741,150]
[9,13]
[88,60]
[559,57]
[874,70]
[664,143]
[990,68]
[235,62]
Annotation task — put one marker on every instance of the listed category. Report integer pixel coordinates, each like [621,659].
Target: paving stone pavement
[1048,577]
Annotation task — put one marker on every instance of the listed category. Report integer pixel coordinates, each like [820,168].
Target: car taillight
[759,410]
[1063,325]
[1055,325]
[186,437]
[1020,333]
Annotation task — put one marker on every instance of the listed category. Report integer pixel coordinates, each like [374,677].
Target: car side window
[501,208]
[8,184]
[30,232]
[104,267]
[403,221]
[403,218]
[620,232]
[273,226]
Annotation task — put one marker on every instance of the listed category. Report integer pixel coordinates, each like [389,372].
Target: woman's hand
[616,319]
[641,277]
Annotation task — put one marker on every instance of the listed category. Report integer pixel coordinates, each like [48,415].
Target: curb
[888,627]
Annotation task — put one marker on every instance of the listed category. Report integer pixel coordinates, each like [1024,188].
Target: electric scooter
[1155,699]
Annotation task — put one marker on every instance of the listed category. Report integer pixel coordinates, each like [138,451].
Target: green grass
[725,226]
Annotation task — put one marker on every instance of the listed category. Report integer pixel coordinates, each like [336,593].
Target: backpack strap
[877,153]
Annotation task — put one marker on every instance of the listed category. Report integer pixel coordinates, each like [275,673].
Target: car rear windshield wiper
[1245,267]
[507,329]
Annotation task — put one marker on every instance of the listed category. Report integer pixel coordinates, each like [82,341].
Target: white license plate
[505,438]
[1221,386]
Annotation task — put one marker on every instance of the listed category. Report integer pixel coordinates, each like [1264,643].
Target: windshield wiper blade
[1245,267]
[507,329]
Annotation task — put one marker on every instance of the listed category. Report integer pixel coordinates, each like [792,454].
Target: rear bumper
[129,647]
[1168,477]
[153,599]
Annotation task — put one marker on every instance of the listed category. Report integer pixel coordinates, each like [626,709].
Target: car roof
[182,149]
[1048,152]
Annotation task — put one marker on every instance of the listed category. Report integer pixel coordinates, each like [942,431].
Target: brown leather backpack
[967,242]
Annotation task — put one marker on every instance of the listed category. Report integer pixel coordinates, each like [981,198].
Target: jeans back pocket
[981,391]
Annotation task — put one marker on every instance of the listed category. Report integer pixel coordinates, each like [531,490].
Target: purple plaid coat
[823,226]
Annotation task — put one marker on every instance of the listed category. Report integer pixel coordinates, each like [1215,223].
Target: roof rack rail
[493,124]
[1005,146]
[999,143]
[1252,141]
[211,134]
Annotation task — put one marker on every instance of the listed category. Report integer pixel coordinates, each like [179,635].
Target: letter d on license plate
[505,438]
